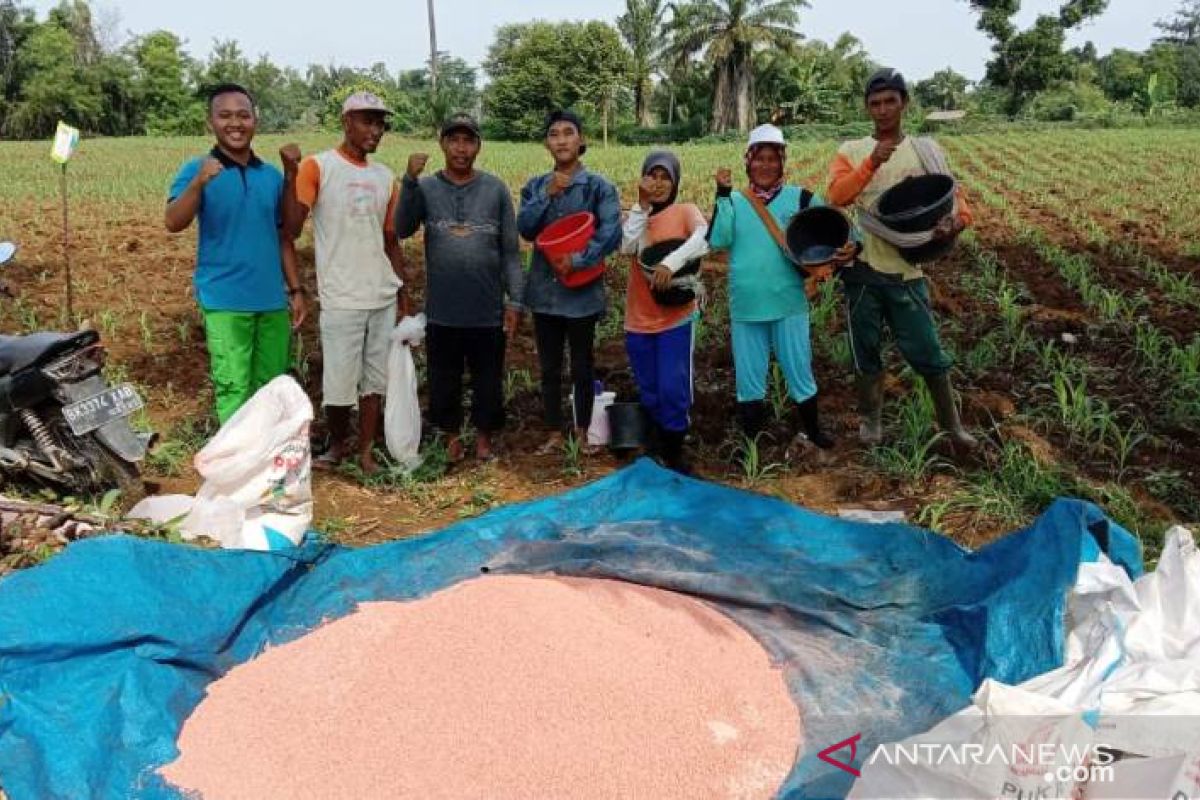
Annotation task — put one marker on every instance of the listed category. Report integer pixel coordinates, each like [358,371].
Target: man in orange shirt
[882,286]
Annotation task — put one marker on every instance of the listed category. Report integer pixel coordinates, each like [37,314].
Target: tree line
[690,68]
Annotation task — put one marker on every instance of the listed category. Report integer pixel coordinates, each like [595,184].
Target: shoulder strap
[806,198]
[930,154]
[768,221]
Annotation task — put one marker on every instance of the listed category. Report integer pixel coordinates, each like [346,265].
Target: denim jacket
[587,192]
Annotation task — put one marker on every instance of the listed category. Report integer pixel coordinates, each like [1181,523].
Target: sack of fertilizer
[402,409]
[1118,719]
[260,462]
[257,491]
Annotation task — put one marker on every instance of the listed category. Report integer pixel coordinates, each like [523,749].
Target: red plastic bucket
[568,236]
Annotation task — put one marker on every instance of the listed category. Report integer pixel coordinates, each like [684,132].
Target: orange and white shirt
[352,203]
[643,314]
[855,182]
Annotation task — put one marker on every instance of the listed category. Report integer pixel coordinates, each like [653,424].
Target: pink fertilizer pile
[502,687]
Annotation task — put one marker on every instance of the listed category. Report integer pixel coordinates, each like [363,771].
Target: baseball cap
[564,115]
[460,122]
[887,78]
[364,101]
[561,115]
[766,134]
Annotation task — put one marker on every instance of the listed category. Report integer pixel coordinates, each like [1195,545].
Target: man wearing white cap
[768,306]
[359,270]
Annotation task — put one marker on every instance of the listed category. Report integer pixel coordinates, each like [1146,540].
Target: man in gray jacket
[472,261]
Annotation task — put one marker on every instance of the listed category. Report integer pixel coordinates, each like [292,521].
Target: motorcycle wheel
[106,470]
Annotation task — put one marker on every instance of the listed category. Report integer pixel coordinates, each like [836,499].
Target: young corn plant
[1179,287]
[516,381]
[572,456]
[1123,442]
[107,320]
[1185,362]
[1152,347]
[777,392]
[299,365]
[824,307]
[1172,487]
[984,355]
[27,317]
[1011,491]
[1088,420]
[147,332]
[748,455]
[482,499]
[838,351]
[1011,315]
[613,324]
[912,456]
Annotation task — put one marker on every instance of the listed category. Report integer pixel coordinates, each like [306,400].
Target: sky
[918,37]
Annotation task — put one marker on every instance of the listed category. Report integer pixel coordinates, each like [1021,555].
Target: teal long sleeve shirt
[764,285]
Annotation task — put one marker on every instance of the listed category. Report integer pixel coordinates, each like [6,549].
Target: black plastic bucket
[930,251]
[627,426]
[675,294]
[816,234]
[917,203]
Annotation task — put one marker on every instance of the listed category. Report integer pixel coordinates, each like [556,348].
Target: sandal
[326,462]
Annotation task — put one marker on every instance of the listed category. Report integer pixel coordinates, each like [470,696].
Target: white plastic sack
[599,432]
[1130,683]
[402,409]
[257,490]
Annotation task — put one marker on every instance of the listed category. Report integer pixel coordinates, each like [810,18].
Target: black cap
[460,122]
[561,115]
[884,79]
[564,115]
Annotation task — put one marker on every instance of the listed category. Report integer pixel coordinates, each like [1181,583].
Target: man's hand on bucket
[845,254]
[661,279]
[560,264]
[948,228]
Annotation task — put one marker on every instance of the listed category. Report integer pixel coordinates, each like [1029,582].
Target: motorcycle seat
[19,352]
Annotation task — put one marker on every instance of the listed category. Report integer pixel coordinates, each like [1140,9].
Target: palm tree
[727,33]
[641,27]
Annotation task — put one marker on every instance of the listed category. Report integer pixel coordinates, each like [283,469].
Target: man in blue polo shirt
[246,277]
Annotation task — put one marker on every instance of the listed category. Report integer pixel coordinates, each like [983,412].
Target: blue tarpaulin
[883,630]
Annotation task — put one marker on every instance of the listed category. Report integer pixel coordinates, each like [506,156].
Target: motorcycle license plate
[98,410]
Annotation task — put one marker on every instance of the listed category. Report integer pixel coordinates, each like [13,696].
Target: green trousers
[246,351]
[904,308]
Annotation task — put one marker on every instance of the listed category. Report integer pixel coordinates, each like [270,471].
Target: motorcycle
[61,424]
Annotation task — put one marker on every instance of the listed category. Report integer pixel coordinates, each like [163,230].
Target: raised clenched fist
[210,169]
[559,183]
[289,154]
[416,164]
[882,152]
